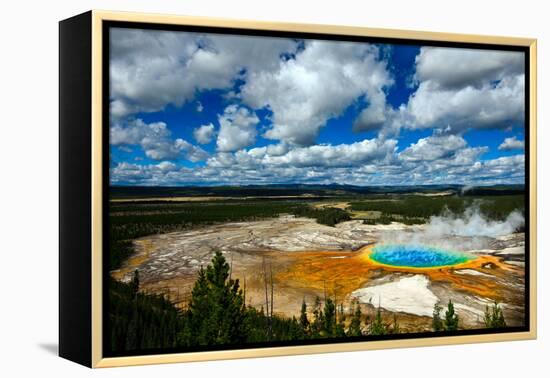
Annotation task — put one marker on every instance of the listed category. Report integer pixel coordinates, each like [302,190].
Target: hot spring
[417,256]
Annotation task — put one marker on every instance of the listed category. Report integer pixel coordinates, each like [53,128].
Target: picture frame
[85,113]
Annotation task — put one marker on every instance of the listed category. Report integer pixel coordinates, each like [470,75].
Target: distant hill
[329,190]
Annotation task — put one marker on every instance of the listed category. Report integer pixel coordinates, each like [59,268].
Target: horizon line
[296,184]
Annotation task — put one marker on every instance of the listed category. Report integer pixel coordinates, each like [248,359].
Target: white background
[29,211]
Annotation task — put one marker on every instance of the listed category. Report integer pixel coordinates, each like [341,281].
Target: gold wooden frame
[97,19]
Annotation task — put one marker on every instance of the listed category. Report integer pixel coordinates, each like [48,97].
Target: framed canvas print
[234,189]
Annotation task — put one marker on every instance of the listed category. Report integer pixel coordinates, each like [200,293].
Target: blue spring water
[417,256]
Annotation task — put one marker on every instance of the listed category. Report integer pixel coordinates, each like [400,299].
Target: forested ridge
[421,207]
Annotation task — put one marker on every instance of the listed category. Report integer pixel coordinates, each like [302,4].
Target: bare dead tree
[266,300]
[335,303]
[244,291]
[231,267]
[271,313]
[265,286]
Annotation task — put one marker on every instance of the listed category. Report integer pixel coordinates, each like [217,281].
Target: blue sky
[206,109]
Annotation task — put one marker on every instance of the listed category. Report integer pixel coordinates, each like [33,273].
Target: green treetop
[437,322]
[378,327]
[304,321]
[494,317]
[451,318]
[216,310]
[355,324]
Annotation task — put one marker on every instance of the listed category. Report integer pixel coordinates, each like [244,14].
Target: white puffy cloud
[237,128]
[166,166]
[319,83]
[316,156]
[150,69]
[137,174]
[277,149]
[147,70]
[512,143]
[464,89]
[373,117]
[191,152]
[136,131]
[491,106]
[204,134]
[343,155]
[437,159]
[457,89]
[154,139]
[433,148]
[456,68]
[506,169]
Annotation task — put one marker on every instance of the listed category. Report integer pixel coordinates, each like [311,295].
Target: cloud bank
[278,97]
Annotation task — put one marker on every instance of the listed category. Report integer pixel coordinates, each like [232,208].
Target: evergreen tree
[341,314]
[340,329]
[197,333]
[134,283]
[295,330]
[318,319]
[494,317]
[355,324]
[140,321]
[255,322]
[304,321]
[437,323]
[378,327]
[451,318]
[329,318]
[216,311]
[500,322]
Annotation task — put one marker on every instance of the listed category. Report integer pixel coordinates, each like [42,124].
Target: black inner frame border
[107,25]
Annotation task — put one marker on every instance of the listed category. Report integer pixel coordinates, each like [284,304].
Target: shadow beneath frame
[52,348]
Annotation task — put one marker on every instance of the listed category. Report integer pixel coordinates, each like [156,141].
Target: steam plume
[467,231]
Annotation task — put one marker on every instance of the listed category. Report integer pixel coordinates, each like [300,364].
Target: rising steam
[467,231]
[473,223]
